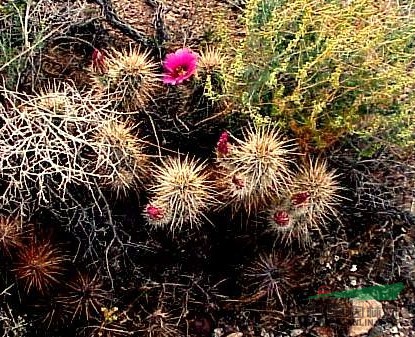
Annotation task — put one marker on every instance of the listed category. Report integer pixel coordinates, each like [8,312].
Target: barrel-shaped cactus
[182,188]
[256,169]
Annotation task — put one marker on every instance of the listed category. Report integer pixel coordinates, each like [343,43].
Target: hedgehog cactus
[183,188]
[256,169]
[39,265]
[128,76]
[120,159]
[316,191]
[210,69]
[274,275]
[310,202]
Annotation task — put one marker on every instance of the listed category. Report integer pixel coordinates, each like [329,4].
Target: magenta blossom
[179,66]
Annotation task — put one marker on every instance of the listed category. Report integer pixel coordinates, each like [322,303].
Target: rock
[296,332]
[218,332]
[394,330]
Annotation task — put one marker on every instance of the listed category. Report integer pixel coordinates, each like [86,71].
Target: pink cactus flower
[179,66]
[154,213]
[223,143]
[282,218]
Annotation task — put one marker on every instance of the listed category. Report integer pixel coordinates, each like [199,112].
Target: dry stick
[5,291]
[158,21]
[116,22]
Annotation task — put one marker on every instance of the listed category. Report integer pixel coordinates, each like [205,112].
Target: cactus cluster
[260,173]
[127,210]
[312,199]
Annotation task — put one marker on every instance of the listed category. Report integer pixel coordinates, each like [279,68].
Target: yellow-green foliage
[318,67]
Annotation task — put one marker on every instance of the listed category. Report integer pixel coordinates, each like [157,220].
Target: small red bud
[223,143]
[282,218]
[301,198]
[98,61]
[154,213]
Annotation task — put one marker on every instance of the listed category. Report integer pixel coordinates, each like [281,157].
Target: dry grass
[10,233]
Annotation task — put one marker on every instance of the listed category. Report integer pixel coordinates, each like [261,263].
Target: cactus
[184,187]
[127,76]
[120,157]
[311,201]
[86,296]
[39,265]
[273,274]
[210,71]
[256,169]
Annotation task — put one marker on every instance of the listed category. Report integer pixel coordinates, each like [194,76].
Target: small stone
[394,330]
[377,331]
[354,267]
[218,332]
[405,313]
[296,332]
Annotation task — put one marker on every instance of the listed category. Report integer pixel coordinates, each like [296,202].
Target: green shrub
[319,68]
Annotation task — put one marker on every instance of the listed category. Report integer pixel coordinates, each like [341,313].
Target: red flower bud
[223,145]
[282,218]
[301,198]
[98,61]
[154,213]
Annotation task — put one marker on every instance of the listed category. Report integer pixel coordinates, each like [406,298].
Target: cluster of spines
[273,276]
[182,193]
[312,199]
[128,76]
[255,169]
[39,265]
